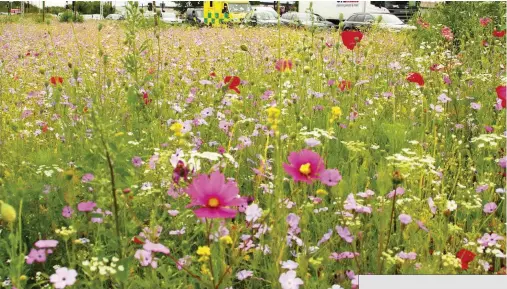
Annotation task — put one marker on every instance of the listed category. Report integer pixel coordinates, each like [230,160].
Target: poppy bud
[306,69]
[126,191]
[75,72]
[244,47]
[235,118]
[100,26]
[397,178]
[7,212]
[42,71]
[69,65]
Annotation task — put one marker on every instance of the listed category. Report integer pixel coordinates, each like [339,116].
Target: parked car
[306,20]
[263,18]
[115,17]
[195,16]
[171,18]
[384,20]
[269,10]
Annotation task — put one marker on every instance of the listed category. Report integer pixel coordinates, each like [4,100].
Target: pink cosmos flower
[407,256]
[37,256]
[398,192]
[289,265]
[344,234]
[305,166]
[63,277]
[490,208]
[289,280]
[244,274]
[489,239]
[422,226]
[330,177]
[155,247]
[326,237]
[46,244]
[447,33]
[137,161]
[214,196]
[485,21]
[343,255]
[405,219]
[87,178]
[67,212]
[145,258]
[86,206]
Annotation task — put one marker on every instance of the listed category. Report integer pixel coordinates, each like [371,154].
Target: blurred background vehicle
[306,20]
[263,18]
[219,12]
[171,18]
[115,17]
[332,10]
[195,16]
[366,20]
[269,10]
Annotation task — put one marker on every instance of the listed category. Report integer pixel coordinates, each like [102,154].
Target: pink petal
[215,213]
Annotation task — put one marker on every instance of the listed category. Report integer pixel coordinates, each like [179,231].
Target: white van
[331,10]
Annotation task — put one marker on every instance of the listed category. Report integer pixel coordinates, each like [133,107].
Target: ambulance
[223,12]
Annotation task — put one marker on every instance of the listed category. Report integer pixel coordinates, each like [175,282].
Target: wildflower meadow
[135,154]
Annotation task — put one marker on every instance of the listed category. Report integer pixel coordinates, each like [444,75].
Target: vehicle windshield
[239,7]
[308,17]
[388,18]
[271,12]
[264,15]
[170,15]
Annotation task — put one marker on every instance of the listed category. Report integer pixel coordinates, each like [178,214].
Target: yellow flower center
[213,202]
[305,169]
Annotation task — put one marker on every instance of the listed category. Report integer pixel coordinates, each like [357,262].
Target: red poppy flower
[283,65]
[344,85]
[351,38]
[56,80]
[45,128]
[151,70]
[497,33]
[500,94]
[466,257]
[28,53]
[213,74]
[233,82]
[415,77]
[146,99]
[137,241]
[484,43]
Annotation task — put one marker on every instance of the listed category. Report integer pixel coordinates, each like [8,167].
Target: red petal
[137,241]
[466,257]
[349,38]
[415,77]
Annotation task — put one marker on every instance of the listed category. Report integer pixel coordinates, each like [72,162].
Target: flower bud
[244,47]
[7,212]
